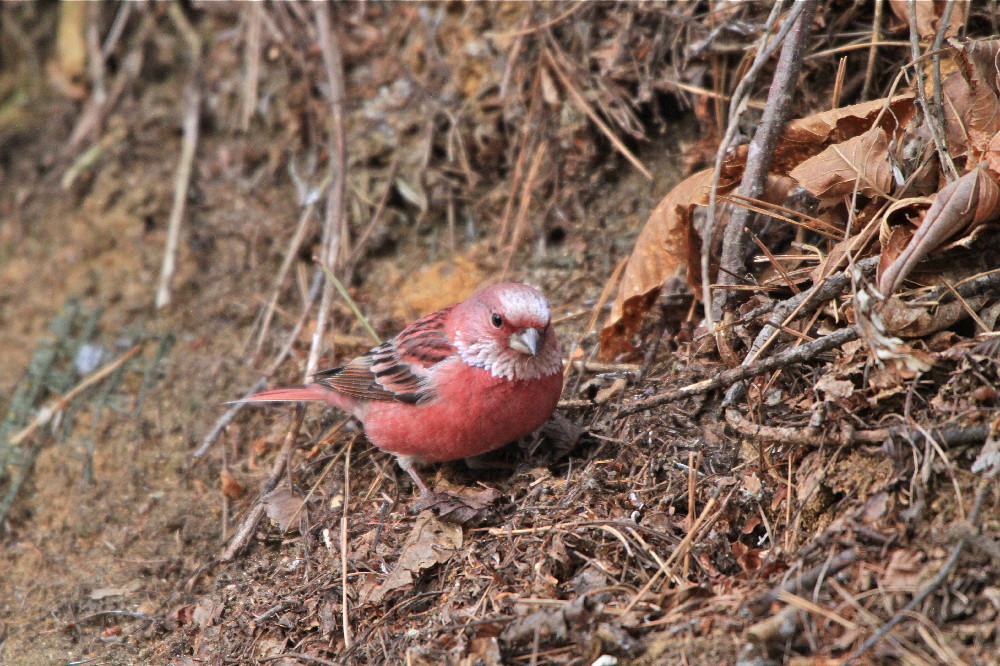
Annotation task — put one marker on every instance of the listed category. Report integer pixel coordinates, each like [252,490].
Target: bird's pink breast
[472,413]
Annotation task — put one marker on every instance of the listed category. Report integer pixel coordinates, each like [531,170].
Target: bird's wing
[398,369]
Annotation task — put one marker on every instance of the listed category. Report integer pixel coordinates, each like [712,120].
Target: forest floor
[843,495]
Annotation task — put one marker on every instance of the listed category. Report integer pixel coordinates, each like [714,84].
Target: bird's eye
[497,320]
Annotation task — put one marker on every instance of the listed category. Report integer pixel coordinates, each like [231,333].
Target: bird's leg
[409,465]
[449,507]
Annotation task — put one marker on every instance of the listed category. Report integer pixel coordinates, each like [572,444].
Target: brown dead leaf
[231,488]
[665,247]
[928,18]
[748,558]
[896,360]
[835,389]
[875,508]
[207,612]
[562,433]
[752,485]
[968,202]
[283,507]
[992,155]
[897,315]
[978,107]
[988,461]
[553,625]
[483,651]
[616,388]
[861,160]
[906,570]
[901,219]
[462,505]
[431,541]
[180,616]
[808,136]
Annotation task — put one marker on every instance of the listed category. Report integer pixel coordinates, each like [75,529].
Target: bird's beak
[526,341]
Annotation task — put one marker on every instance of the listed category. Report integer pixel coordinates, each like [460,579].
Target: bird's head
[506,328]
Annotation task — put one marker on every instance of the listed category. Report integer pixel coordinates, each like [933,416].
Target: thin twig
[728,377]
[116,30]
[800,305]
[804,580]
[670,563]
[763,144]
[98,108]
[226,419]
[362,239]
[286,266]
[345,618]
[95,58]
[351,304]
[251,58]
[873,49]
[293,335]
[335,226]
[814,436]
[185,166]
[738,104]
[249,524]
[937,92]
[930,117]
[524,205]
[594,118]
[932,586]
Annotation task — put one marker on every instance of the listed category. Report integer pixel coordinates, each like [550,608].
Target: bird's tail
[290,394]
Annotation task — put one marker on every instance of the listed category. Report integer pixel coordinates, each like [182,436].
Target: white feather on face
[524,305]
[483,344]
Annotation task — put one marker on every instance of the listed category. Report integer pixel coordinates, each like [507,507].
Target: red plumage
[459,382]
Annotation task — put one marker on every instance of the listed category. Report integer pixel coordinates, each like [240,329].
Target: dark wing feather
[397,369]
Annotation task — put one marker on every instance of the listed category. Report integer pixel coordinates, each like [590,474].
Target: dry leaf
[902,361]
[431,541]
[833,173]
[231,488]
[906,570]
[283,507]
[665,247]
[105,592]
[992,155]
[905,214]
[462,505]
[988,460]
[616,388]
[805,137]
[980,112]
[207,612]
[835,389]
[928,18]
[968,202]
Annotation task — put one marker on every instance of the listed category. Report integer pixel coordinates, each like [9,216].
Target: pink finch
[461,381]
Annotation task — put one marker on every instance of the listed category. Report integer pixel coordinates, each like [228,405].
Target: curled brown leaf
[966,203]
[971,96]
[665,246]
